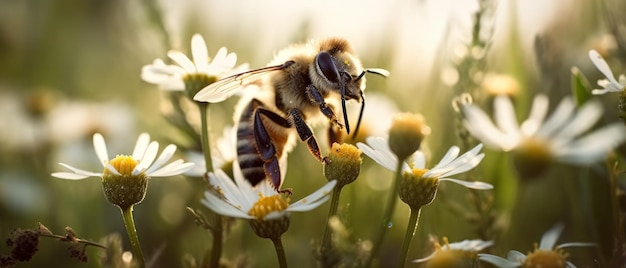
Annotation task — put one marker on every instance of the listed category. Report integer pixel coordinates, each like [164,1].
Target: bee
[301,85]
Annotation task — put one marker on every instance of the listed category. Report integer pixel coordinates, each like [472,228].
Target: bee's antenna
[343,106]
[358,123]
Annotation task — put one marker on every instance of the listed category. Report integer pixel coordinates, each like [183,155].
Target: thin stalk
[617,216]
[206,147]
[216,249]
[332,211]
[280,252]
[127,215]
[410,232]
[391,206]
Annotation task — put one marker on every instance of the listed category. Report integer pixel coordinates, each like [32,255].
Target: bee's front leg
[316,97]
[306,134]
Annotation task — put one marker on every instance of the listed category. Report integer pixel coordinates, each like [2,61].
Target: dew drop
[389,225]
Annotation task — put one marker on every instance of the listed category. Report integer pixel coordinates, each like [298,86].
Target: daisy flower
[539,141]
[193,75]
[239,199]
[455,254]
[142,161]
[546,255]
[610,84]
[377,148]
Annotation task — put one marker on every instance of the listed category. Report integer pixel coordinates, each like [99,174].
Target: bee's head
[343,73]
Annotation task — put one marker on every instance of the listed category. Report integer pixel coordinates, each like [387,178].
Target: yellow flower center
[124,164]
[532,157]
[545,259]
[268,204]
[418,172]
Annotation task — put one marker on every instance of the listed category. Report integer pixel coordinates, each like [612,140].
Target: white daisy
[546,255]
[141,161]
[173,77]
[559,137]
[610,84]
[465,246]
[377,148]
[239,199]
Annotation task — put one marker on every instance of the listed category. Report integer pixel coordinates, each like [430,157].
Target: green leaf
[580,87]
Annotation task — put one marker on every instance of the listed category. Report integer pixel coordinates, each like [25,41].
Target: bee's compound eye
[327,67]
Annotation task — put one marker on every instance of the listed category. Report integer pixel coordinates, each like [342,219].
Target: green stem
[280,252]
[332,211]
[127,214]
[617,216]
[216,249]
[206,147]
[410,231]
[391,206]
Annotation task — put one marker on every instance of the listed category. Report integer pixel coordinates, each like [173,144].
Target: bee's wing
[225,87]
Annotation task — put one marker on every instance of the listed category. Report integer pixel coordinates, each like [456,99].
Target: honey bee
[299,86]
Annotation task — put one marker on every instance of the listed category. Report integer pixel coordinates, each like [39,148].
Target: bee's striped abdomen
[248,155]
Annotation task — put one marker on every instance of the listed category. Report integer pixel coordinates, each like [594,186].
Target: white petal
[230,190]
[68,176]
[478,185]
[516,256]
[585,118]
[498,261]
[317,195]
[182,60]
[274,215]
[379,152]
[172,169]
[594,146]
[223,208]
[548,240]
[576,244]
[481,127]
[419,160]
[140,146]
[602,66]
[425,258]
[504,114]
[80,171]
[199,52]
[452,153]
[537,115]
[464,163]
[471,245]
[101,148]
[559,117]
[111,168]
[148,157]
[166,154]
[307,206]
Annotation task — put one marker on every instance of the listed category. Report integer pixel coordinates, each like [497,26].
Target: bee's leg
[265,144]
[316,97]
[334,135]
[306,134]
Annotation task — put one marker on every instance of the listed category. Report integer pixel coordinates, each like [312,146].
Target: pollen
[124,164]
[545,258]
[268,204]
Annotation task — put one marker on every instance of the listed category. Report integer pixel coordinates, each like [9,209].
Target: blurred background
[69,69]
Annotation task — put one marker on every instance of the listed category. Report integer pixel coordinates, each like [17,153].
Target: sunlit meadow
[495,140]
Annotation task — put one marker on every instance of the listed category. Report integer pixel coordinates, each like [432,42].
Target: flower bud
[344,165]
[406,134]
[124,189]
[417,191]
[272,229]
